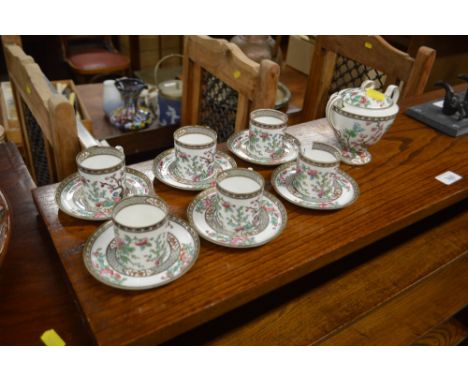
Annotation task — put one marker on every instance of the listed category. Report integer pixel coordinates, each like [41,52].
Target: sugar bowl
[360,117]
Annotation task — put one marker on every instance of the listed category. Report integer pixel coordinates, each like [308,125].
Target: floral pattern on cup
[266,144]
[238,211]
[316,178]
[102,187]
[140,252]
[103,192]
[195,167]
[237,216]
[310,182]
[194,161]
[266,132]
[144,247]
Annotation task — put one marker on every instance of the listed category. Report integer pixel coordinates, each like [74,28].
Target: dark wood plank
[450,332]
[34,295]
[134,47]
[404,319]
[312,308]
[397,189]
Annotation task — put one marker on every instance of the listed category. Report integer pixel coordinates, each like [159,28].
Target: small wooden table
[398,189]
[142,144]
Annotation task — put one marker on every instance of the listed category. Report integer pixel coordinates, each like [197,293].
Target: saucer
[164,170]
[273,219]
[70,199]
[238,144]
[282,178]
[100,259]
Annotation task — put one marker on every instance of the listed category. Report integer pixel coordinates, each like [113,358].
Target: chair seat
[98,62]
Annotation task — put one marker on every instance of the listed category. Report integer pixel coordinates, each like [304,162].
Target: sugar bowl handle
[368,84]
[393,92]
[335,99]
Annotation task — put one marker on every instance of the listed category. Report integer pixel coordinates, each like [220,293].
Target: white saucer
[238,144]
[347,190]
[70,199]
[201,216]
[164,164]
[100,260]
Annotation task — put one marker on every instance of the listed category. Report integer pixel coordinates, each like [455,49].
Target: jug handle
[158,64]
[392,92]
[335,98]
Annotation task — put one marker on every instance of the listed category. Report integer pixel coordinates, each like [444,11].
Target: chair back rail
[255,84]
[52,113]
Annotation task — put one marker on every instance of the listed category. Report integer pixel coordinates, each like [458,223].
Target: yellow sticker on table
[368,45]
[375,94]
[51,338]
[237,74]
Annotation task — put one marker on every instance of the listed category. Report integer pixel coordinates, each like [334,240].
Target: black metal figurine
[451,100]
[453,103]
[451,117]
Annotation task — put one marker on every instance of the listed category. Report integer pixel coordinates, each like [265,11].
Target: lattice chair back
[222,85]
[341,62]
[218,106]
[351,74]
[42,168]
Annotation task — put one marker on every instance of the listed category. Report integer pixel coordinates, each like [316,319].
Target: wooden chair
[222,85]
[341,62]
[48,122]
[91,57]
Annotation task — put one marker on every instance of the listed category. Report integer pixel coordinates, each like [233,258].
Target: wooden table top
[397,189]
[34,295]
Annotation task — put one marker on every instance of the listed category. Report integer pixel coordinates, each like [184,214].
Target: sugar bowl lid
[367,97]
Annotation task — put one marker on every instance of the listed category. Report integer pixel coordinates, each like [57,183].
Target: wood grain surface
[450,332]
[397,189]
[34,295]
[323,303]
[407,317]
